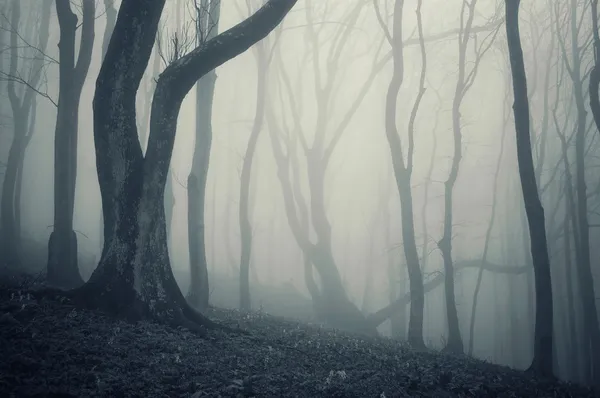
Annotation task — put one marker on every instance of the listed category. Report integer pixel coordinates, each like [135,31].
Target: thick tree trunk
[63,269]
[198,294]
[134,276]
[542,358]
[111,20]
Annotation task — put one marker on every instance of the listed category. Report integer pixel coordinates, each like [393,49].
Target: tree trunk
[134,276]
[402,174]
[10,239]
[111,20]
[542,354]
[198,294]
[488,234]
[594,82]
[244,216]
[63,269]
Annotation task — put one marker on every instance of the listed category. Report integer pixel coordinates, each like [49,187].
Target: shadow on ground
[51,348]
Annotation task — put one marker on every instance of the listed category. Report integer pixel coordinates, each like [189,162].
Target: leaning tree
[134,277]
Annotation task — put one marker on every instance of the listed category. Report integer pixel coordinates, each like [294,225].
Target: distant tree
[465,80]
[63,269]
[542,354]
[576,71]
[23,84]
[403,166]
[134,276]
[263,53]
[595,72]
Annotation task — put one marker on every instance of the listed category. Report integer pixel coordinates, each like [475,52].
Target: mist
[324,227]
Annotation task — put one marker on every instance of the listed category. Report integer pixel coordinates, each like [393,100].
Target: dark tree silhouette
[207,24]
[63,269]
[134,277]
[542,353]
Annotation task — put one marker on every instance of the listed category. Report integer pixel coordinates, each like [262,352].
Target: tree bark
[198,294]
[542,354]
[63,269]
[134,276]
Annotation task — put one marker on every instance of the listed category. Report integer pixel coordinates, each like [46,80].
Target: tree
[21,102]
[584,270]
[263,58]
[465,81]
[111,20]
[403,169]
[488,233]
[595,72]
[134,276]
[62,244]
[543,340]
[208,13]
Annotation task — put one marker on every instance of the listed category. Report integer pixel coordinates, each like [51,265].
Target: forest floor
[51,348]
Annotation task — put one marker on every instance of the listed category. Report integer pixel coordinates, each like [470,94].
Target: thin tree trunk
[63,269]
[199,291]
[542,357]
[244,216]
[488,234]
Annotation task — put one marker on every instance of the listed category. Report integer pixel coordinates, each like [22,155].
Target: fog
[361,197]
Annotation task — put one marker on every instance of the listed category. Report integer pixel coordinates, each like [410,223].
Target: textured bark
[111,20]
[542,354]
[10,239]
[63,269]
[134,276]
[198,295]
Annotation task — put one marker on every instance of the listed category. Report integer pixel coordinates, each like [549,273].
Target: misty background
[362,200]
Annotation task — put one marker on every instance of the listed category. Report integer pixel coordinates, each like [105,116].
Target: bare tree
[465,81]
[21,102]
[403,168]
[542,357]
[495,197]
[208,13]
[62,245]
[263,56]
[576,72]
[134,276]
[595,72]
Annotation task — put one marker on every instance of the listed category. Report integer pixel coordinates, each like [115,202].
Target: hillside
[51,348]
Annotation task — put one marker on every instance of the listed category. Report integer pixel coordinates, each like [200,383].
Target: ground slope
[51,348]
